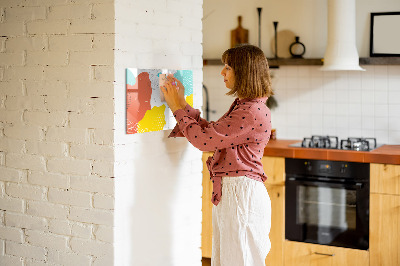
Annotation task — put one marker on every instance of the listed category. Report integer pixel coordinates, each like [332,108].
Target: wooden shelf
[274,63]
[380,61]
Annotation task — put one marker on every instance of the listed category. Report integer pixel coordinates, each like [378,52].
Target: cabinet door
[384,236]
[206,232]
[277,233]
[304,254]
[274,168]
[385,178]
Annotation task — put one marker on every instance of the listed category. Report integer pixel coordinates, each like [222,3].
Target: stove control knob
[308,166]
[343,168]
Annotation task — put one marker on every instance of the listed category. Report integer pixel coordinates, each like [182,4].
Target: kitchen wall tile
[355,96]
[292,82]
[355,75]
[355,122]
[304,72]
[381,110]
[328,99]
[329,122]
[368,122]
[394,97]
[342,122]
[317,95]
[317,107]
[381,97]
[367,133]
[316,82]
[278,83]
[380,71]
[342,133]
[367,96]
[328,74]
[369,70]
[367,110]
[394,137]
[380,84]
[367,82]
[393,71]
[315,72]
[278,72]
[394,110]
[304,82]
[342,80]
[317,131]
[342,109]
[304,109]
[394,83]
[354,132]
[381,122]
[342,96]
[317,120]
[329,93]
[293,120]
[381,136]
[355,109]
[355,83]
[332,131]
[394,123]
[305,95]
[291,71]
[329,109]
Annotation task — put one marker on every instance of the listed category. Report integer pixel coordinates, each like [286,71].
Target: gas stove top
[332,142]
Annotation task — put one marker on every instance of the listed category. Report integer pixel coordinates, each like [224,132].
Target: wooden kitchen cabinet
[305,254]
[274,168]
[385,178]
[277,233]
[206,225]
[384,236]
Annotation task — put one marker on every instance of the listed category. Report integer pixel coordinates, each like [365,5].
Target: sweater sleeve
[193,113]
[231,130]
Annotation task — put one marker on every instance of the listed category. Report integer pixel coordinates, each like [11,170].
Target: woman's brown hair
[250,66]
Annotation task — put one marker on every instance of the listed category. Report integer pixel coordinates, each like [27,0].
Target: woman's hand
[181,91]
[174,94]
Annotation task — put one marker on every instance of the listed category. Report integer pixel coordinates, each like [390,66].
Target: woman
[242,211]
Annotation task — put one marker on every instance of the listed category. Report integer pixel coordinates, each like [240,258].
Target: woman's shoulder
[254,105]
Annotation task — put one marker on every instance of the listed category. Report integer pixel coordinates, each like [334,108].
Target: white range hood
[341,51]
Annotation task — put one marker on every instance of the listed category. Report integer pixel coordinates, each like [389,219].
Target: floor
[206,261]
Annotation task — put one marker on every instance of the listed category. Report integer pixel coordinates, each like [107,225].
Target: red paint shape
[138,99]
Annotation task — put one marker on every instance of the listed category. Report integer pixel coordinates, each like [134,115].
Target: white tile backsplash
[343,103]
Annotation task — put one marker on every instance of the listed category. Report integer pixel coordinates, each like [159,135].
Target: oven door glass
[325,207]
[327,214]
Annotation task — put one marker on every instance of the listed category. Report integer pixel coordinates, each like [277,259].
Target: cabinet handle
[324,254]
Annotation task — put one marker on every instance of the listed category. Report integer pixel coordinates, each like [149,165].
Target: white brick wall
[156,177]
[56,132]
[62,141]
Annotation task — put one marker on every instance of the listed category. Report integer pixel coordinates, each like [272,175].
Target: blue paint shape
[186,77]
[130,78]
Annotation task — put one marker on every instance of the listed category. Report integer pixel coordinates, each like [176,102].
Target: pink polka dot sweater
[238,139]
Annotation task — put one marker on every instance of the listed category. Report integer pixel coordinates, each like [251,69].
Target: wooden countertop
[389,154]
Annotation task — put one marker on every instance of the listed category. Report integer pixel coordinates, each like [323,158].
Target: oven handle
[357,185]
[324,254]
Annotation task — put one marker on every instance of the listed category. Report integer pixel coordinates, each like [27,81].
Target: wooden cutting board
[239,35]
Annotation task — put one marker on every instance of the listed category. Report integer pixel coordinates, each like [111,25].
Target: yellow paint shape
[153,120]
[189,99]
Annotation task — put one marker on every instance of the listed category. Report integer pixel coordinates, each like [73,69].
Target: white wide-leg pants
[241,223]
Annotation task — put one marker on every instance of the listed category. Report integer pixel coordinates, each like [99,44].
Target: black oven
[327,202]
